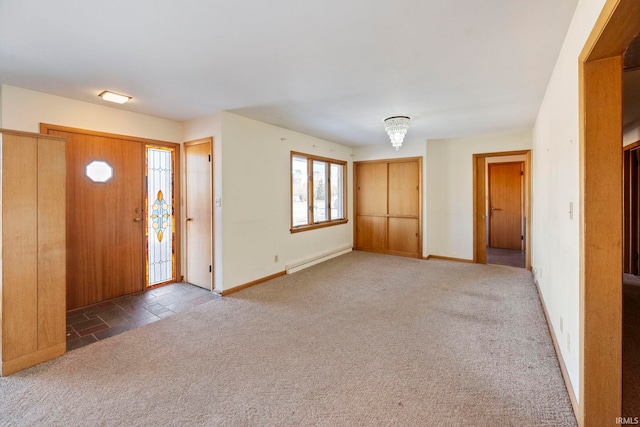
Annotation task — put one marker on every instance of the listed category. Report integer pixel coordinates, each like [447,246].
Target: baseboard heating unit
[301,265]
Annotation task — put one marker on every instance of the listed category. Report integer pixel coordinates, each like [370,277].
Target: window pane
[299,188]
[160,222]
[337,184]
[320,201]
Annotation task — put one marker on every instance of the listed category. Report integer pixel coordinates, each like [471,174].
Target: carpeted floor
[362,339]
[631,349]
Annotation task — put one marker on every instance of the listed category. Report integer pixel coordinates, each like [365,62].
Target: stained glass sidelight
[160,250]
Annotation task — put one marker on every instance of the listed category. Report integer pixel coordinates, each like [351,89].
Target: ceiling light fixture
[114,97]
[396,127]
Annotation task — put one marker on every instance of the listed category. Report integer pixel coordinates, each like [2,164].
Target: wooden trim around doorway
[44,129]
[600,123]
[479,196]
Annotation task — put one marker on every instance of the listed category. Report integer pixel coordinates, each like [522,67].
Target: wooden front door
[505,205]
[387,207]
[198,210]
[105,220]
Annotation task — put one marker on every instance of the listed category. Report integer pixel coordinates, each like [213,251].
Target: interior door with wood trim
[105,211]
[505,205]
[199,270]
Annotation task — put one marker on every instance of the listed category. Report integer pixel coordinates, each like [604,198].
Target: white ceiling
[333,68]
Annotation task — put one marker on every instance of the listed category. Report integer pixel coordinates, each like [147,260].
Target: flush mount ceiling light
[114,97]
[396,127]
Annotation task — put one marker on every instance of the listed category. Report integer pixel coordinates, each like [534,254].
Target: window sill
[318,225]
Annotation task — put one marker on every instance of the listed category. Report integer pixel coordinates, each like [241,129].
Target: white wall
[253,181]
[449,195]
[412,147]
[556,242]
[24,110]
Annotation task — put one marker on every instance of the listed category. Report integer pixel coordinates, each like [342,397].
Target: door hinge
[521,237]
[521,173]
[209,158]
[209,269]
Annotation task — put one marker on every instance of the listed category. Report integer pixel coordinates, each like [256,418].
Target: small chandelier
[396,127]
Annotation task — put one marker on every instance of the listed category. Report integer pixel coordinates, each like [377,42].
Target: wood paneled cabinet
[33,248]
[387,206]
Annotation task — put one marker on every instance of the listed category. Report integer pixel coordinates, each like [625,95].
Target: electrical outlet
[275,258]
[218,201]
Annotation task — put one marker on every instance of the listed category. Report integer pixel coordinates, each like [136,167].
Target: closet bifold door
[404,208]
[33,235]
[387,207]
[371,214]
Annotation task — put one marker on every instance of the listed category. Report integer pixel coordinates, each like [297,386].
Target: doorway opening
[601,213]
[160,218]
[505,211]
[502,216]
[108,208]
[631,236]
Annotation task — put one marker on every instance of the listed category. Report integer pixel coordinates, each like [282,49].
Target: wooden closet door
[20,246]
[404,208]
[388,207]
[371,218]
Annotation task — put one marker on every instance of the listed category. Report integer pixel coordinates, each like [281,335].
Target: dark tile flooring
[106,319]
[509,257]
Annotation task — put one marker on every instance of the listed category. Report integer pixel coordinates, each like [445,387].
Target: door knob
[137,219]
[495,209]
[189,219]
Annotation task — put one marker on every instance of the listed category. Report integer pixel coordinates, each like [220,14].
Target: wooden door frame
[479,207]
[600,119]
[45,127]
[207,140]
[355,197]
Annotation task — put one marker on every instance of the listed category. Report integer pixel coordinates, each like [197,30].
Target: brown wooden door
[404,208]
[388,207]
[505,205]
[105,220]
[198,209]
[371,193]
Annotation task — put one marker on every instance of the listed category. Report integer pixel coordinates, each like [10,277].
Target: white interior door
[199,219]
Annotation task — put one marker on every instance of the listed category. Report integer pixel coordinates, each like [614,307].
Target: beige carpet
[360,340]
[631,349]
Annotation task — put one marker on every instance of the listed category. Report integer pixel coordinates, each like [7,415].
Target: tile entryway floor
[106,319]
